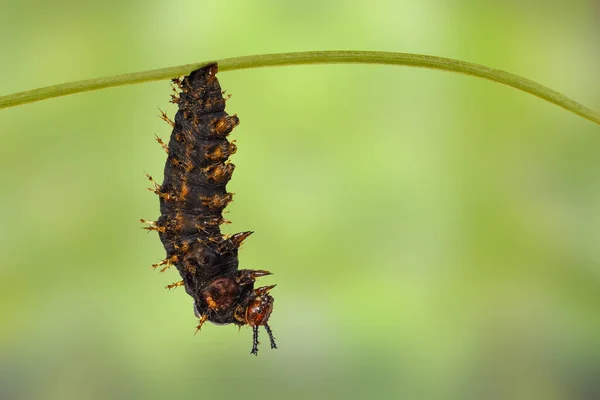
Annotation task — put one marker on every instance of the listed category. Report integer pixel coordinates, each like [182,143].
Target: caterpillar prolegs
[192,198]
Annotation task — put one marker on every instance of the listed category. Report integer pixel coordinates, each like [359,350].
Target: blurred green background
[432,235]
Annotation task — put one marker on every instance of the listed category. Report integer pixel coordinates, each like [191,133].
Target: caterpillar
[192,198]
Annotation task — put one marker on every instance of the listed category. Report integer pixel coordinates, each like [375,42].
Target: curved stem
[311,57]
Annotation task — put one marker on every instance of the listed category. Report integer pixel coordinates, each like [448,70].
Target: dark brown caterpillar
[192,198]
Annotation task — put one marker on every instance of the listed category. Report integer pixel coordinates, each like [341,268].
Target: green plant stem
[311,57]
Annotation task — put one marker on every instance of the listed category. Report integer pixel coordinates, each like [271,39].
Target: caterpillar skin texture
[192,198]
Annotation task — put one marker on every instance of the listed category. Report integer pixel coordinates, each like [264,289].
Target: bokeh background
[432,235]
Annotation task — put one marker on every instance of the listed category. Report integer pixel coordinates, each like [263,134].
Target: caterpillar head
[233,299]
[257,313]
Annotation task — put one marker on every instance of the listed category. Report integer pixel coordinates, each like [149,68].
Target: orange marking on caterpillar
[217,201]
[224,125]
[219,172]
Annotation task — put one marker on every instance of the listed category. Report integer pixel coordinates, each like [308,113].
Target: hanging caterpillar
[192,198]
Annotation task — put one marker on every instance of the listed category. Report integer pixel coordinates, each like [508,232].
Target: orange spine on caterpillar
[192,198]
